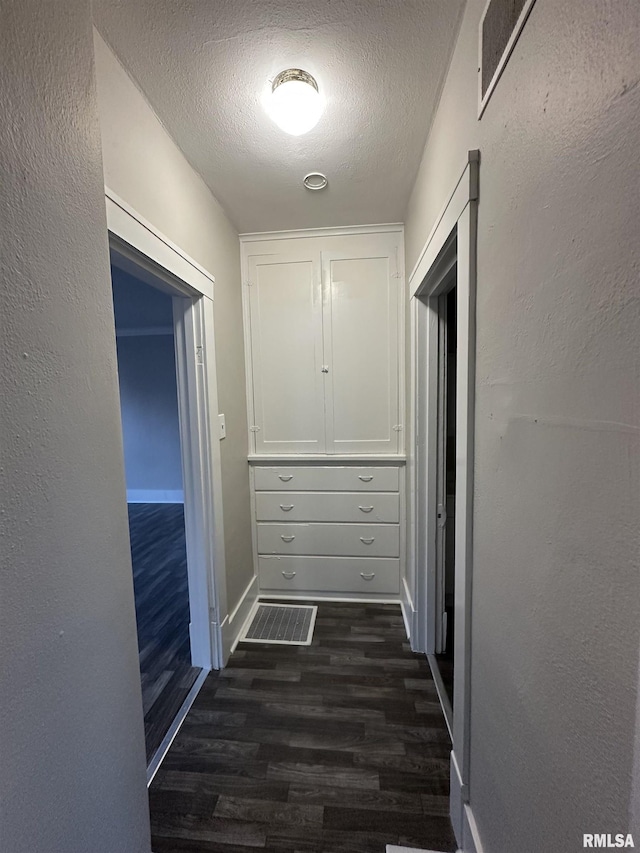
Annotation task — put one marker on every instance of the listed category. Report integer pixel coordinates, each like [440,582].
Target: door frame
[457,221]
[148,254]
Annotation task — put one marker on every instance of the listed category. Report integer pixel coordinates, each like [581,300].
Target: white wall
[143,165]
[556,586]
[72,761]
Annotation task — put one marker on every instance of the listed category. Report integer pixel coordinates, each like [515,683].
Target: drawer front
[338,479]
[330,574]
[328,506]
[336,540]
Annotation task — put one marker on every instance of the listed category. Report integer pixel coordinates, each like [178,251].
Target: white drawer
[330,574]
[335,540]
[327,479]
[327,506]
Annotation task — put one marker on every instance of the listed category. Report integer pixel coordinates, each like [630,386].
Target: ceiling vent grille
[501,24]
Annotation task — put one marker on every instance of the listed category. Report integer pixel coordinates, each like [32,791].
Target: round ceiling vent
[315,181]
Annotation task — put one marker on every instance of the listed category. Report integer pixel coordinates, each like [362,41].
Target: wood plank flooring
[337,747]
[159,557]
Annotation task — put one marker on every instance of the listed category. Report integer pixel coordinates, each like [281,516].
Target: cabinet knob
[288,575]
[368,541]
[324,368]
[288,507]
[285,477]
[287,538]
[368,577]
[364,478]
[365,508]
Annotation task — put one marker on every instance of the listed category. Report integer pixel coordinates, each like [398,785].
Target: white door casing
[458,221]
[139,244]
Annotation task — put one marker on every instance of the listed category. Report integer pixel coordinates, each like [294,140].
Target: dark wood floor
[159,557]
[337,747]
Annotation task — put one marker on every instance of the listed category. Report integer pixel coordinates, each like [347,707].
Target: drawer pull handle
[285,477]
[365,508]
[368,577]
[286,507]
[288,575]
[365,479]
[287,538]
[368,541]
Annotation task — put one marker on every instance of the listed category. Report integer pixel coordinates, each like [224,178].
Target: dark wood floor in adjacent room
[337,747]
[159,558]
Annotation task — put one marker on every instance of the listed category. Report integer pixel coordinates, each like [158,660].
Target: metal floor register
[285,624]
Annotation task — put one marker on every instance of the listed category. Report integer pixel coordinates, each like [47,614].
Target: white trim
[406,605]
[515,35]
[460,214]
[163,749]
[445,702]
[346,231]
[465,190]
[274,459]
[471,842]
[137,246]
[131,224]
[233,625]
[155,496]
[327,596]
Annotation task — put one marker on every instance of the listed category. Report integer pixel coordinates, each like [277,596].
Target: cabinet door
[286,349]
[361,316]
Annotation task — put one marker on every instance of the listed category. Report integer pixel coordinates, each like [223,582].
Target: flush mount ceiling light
[315,181]
[295,103]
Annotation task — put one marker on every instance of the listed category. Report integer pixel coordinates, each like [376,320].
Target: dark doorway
[155,499]
[447,502]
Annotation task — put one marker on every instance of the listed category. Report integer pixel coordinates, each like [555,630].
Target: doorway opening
[446,498]
[145,343]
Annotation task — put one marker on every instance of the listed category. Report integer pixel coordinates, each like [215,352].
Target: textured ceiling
[204,64]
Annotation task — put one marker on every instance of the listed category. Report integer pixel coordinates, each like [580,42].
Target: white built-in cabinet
[323,315]
[324,327]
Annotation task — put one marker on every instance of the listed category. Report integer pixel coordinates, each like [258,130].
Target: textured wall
[143,165]
[556,585]
[72,762]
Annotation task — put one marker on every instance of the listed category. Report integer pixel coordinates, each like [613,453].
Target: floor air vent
[284,624]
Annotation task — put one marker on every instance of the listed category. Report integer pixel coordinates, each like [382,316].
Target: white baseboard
[354,598]
[233,624]
[155,496]
[408,613]
[471,836]
[461,813]
[456,803]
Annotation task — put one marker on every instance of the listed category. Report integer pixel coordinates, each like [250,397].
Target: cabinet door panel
[361,335]
[286,348]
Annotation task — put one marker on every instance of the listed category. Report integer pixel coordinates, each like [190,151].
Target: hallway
[337,746]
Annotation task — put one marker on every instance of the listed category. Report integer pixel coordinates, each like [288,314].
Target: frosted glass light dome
[295,104]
